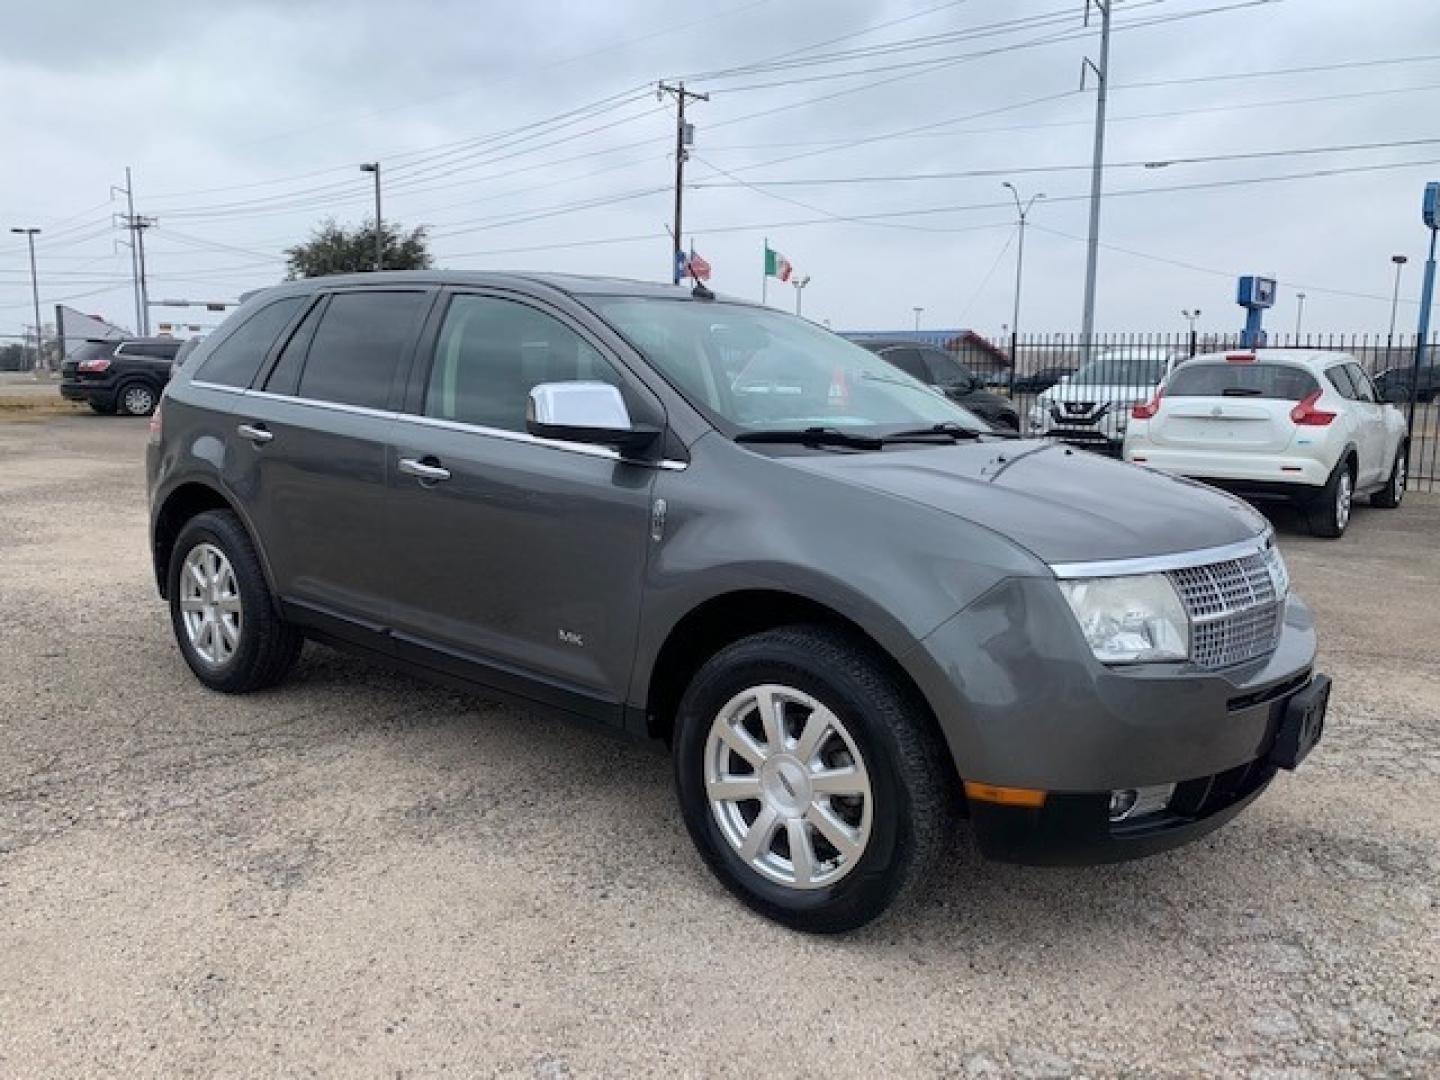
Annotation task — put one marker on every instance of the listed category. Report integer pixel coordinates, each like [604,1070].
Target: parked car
[937,368]
[126,376]
[1040,380]
[852,610]
[1092,407]
[1393,384]
[1297,424]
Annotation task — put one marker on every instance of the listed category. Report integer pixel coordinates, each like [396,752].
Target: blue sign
[1430,208]
[1256,292]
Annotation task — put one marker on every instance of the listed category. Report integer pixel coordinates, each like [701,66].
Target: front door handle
[256,433]
[427,469]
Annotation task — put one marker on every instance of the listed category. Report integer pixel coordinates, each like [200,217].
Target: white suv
[1301,424]
[1092,407]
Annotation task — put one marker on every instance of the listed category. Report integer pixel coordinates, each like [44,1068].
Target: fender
[166,492]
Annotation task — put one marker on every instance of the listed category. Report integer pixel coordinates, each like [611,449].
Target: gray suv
[854,612]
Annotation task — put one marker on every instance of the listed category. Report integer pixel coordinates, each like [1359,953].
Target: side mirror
[585,412]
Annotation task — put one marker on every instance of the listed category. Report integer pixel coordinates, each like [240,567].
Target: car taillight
[99,363]
[1144,410]
[1307,414]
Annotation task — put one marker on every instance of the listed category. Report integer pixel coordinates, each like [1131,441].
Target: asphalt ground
[358,874]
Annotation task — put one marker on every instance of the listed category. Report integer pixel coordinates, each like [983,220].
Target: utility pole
[374,167]
[30,234]
[1097,166]
[1023,210]
[918,311]
[128,217]
[1299,312]
[684,137]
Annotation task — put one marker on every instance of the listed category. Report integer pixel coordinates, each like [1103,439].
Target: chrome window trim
[221,387]
[454,425]
[1159,564]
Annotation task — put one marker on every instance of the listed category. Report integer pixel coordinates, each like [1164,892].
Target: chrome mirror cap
[584,412]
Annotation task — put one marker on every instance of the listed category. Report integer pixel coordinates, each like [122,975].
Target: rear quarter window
[1277,381]
[237,359]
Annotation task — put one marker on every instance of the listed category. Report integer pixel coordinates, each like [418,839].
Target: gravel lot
[360,874]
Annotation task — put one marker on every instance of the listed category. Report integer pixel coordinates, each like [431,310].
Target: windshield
[753,369]
[1122,369]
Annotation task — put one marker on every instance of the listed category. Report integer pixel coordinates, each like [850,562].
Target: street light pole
[1399,261]
[1191,316]
[30,234]
[1022,210]
[917,311]
[1299,312]
[799,283]
[374,167]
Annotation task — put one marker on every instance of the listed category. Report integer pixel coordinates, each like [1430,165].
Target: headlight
[1129,619]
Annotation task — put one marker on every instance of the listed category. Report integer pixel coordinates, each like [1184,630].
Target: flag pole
[764,269]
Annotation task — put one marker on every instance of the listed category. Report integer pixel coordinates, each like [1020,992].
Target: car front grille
[1236,608]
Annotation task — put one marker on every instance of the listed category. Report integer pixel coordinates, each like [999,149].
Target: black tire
[267,647]
[1324,511]
[1388,497]
[103,410]
[914,800]
[136,398]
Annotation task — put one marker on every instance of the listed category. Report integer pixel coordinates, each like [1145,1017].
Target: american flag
[697,267]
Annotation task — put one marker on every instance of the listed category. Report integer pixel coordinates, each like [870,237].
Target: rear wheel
[1388,497]
[812,782]
[1329,511]
[136,399]
[224,617]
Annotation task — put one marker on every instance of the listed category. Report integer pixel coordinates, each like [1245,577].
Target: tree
[333,249]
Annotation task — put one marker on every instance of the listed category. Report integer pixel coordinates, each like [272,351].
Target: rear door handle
[428,469]
[256,433]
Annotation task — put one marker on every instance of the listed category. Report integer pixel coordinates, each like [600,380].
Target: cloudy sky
[528,136]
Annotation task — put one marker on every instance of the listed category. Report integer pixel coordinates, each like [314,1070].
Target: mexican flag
[776,265]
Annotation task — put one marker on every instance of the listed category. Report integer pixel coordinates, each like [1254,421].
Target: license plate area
[1302,722]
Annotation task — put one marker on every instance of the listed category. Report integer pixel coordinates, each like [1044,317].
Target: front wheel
[812,782]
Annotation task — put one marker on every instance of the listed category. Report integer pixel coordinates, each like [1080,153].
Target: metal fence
[1092,407]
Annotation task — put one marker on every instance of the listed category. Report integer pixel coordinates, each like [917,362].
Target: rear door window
[358,347]
[284,377]
[160,350]
[1277,381]
[1363,388]
[237,359]
[1339,378]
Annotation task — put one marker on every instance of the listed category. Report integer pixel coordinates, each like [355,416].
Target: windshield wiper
[812,436]
[954,431]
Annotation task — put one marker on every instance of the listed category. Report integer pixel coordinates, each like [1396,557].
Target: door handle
[427,469]
[256,433]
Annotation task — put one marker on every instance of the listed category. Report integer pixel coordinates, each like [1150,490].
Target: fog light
[1122,802]
[1129,803]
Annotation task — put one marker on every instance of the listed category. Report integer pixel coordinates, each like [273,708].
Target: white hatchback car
[1295,423]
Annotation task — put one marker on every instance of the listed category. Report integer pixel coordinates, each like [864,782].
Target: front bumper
[1023,704]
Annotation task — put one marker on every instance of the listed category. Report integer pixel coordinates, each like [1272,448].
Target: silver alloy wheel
[788,786]
[1344,496]
[138,400]
[1397,482]
[210,604]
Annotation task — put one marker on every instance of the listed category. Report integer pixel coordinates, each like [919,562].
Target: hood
[1124,392]
[1061,504]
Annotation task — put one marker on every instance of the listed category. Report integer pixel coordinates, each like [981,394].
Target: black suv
[939,369]
[1394,383]
[126,376]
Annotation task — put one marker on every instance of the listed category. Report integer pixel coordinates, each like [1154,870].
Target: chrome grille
[1236,607]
